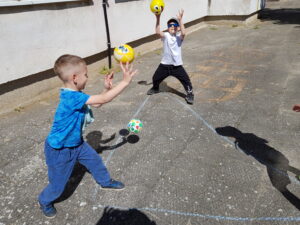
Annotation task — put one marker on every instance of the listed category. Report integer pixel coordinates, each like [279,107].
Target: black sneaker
[152,91]
[113,184]
[48,210]
[189,98]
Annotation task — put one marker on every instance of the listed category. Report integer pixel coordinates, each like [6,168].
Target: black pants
[163,71]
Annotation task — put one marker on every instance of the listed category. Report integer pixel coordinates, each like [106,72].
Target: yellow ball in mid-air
[157,6]
[124,54]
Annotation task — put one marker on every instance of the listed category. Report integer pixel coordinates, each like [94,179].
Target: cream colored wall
[233,7]
[139,22]
[32,37]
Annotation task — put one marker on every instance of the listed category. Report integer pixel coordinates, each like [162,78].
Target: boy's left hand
[180,14]
[108,81]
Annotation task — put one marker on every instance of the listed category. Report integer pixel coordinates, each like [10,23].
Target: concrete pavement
[231,158]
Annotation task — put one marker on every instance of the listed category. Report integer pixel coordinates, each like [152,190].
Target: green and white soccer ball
[135,126]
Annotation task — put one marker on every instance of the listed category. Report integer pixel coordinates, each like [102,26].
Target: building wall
[32,37]
[233,7]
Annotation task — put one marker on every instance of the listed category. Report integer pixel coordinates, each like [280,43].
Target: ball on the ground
[135,126]
[124,53]
[157,6]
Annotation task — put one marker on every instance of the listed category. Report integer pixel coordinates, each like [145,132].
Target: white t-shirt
[172,49]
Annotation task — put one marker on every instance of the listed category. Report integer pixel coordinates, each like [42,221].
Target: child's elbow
[100,100]
[97,105]
[106,100]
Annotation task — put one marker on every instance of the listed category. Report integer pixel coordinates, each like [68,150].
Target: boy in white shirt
[171,63]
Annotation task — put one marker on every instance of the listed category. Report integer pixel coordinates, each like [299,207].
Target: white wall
[134,20]
[233,7]
[32,37]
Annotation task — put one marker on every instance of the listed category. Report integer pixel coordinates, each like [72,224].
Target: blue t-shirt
[68,120]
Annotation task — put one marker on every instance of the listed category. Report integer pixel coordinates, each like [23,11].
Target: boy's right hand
[128,72]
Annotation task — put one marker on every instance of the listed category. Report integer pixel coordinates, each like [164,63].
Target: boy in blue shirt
[64,146]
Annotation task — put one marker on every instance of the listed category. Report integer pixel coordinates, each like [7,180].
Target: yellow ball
[157,6]
[124,54]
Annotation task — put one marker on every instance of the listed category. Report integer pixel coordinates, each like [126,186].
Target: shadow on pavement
[163,87]
[276,163]
[112,216]
[280,16]
[94,139]
[143,82]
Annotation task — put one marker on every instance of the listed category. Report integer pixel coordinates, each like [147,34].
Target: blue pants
[60,166]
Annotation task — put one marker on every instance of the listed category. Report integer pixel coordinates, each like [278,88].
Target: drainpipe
[104,4]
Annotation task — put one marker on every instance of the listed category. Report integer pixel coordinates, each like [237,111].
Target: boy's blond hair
[65,65]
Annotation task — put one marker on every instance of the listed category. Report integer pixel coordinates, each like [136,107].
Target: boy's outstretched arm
[110,94]
[157,27]
[182,28]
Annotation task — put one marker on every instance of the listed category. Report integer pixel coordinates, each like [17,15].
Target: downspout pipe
[104,4]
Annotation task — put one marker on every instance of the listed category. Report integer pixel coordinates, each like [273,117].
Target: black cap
[173,19]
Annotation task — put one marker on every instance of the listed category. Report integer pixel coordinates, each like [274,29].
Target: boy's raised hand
[180,14]
[108,80]
[128,72]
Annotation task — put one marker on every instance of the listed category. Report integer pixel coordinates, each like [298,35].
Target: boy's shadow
[94,139]
[276,163]
[112,216]
[163,87]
